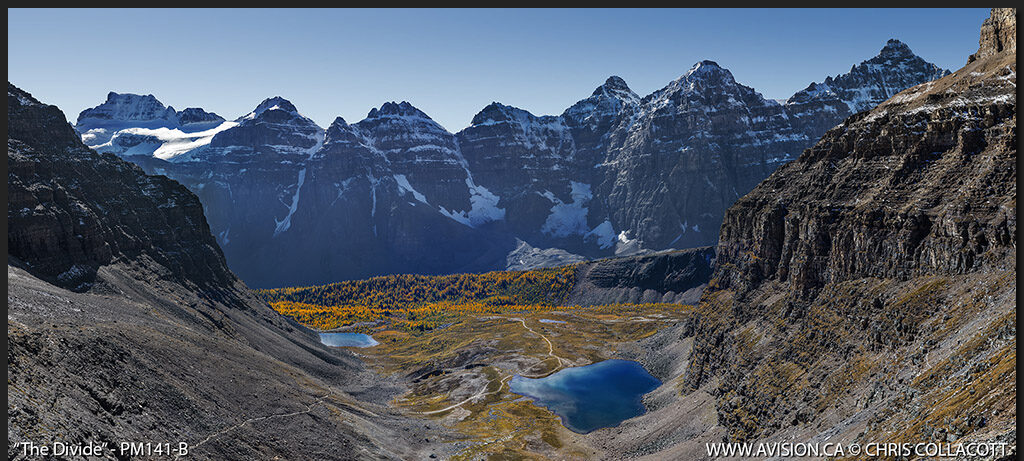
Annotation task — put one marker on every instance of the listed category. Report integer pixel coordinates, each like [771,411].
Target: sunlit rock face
[895,233]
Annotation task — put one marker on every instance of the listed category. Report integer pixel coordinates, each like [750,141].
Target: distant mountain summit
[274,129]
[399,109]
[867,84]
[614,174]
[132,124]
[822,105]
[120,108]
[195,119]
[603,105]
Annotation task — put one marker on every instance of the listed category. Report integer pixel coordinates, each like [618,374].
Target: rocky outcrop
[865,291]
[676,277]
[194,118]
[998,34]
[525,257]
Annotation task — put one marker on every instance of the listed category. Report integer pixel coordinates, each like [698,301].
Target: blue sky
[449,63]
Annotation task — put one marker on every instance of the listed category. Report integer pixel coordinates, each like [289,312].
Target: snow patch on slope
[603,234]
[404,186]
[165,144]
[568,218]
[626,246]
[483,207]
[286,223]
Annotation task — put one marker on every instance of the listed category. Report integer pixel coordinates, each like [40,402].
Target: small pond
[347,340]
[598,395]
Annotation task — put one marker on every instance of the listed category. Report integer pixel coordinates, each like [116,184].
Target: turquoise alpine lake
[347,340]
[598,395]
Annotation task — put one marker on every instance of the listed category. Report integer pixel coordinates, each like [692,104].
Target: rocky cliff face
[998,33]
[526,161]
[865,291]
[424,160]
[692,149]
[615,174]
[125,324]
[72,210]
[939,162]
[384,195]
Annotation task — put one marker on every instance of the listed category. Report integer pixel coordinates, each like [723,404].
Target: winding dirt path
[308,409]
[551,347]
[483,392]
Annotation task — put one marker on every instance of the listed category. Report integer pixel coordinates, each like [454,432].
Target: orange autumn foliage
[420,302]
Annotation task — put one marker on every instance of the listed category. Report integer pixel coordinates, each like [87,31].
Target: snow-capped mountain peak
[120,108]
[271,104]
[131,124]
[339,123]
[20,96]
[395,125]
[533,130]
[397,109]
[867,84]
[706,81]
[707,86]
[194,116]
[604,104]
[707,69]
[497,112]
[340,132]
[894,47]
[613,86]
[616,88]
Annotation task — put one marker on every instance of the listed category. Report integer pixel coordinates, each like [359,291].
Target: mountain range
[862,295]
[292,203]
